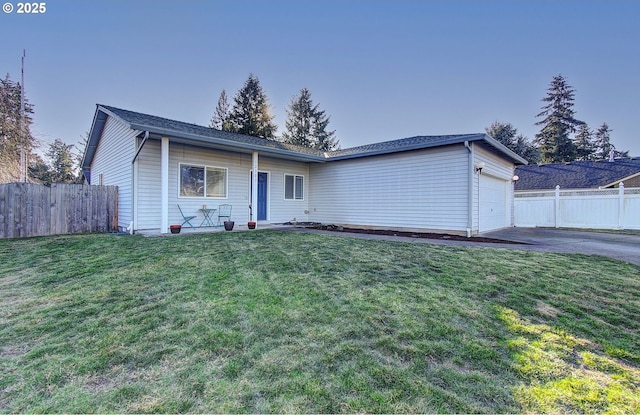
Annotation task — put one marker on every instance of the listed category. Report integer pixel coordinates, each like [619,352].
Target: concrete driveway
[614,245]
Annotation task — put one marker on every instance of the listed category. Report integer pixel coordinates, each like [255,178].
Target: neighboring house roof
[198,135]
[576,174]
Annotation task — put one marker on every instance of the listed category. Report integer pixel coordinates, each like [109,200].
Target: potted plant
[175,228]
[251,224]
[228,225]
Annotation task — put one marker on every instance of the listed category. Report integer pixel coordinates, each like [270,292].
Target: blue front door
[262,196]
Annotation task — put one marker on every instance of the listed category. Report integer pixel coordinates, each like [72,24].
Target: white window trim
[205,181]
[284,193]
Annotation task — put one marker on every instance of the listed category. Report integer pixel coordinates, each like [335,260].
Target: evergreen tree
[298,124]
[62,162]
[39,170]
[526,149]
[80,147]
[623,154]
[324,140]
[15,134]
[603,145]
[508,135]
[504,133]
[584,144]
[307,125]
[558,123]
[220,118]
[250,114]
[603,142]
[63,165]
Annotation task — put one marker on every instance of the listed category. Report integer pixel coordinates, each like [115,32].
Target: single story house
[460,184]
[601,174]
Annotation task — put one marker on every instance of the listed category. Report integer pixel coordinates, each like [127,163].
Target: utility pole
[24,171]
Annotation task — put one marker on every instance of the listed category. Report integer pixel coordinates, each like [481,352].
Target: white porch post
[164,186]
[254,187]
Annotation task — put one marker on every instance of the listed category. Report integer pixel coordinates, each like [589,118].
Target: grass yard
[271,321]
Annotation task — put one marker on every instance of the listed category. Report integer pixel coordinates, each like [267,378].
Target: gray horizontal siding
[425,189]
[113,160]
[279,209]
[147,205]
[418,189]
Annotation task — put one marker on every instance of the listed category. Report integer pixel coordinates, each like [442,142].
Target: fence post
[557,207]
[621,206]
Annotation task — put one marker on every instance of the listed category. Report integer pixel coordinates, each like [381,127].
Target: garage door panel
[493,212]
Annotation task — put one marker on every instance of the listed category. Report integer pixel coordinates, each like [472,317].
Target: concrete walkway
[613,245]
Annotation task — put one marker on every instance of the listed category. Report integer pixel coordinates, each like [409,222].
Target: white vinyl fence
[617,208]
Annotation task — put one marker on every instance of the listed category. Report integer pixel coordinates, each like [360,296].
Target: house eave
[197,140]
[421,146]
[222,144]
[97,127]
[504,150]
[275,149]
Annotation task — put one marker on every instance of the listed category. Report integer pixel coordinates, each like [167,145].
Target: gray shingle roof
[161,125]
[404,144]
[576,174]
[198,134]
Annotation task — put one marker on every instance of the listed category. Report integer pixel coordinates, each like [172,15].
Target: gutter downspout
[470,192]
[133,198]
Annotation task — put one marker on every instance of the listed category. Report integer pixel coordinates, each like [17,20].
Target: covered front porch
[174,179]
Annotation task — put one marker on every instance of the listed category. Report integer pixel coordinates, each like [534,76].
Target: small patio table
[208,219]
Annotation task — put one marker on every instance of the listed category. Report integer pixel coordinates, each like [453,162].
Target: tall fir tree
[307,124]
[584,144]
[15,134]
[554,140]
[299,118]
[508,135]
[220,118]
[251,111]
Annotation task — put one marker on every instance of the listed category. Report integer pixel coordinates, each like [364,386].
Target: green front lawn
[270,321]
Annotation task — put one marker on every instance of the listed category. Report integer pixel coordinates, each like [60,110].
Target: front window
[293,187]
[201,181]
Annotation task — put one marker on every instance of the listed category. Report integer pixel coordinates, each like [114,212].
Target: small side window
[293,187]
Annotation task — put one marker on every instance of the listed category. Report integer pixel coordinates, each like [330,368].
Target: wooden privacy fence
[617,208]
[28,209]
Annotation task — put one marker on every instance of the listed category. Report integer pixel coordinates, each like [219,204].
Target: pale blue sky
[383,70]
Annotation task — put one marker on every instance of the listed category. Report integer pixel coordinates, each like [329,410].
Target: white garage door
[493,203]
